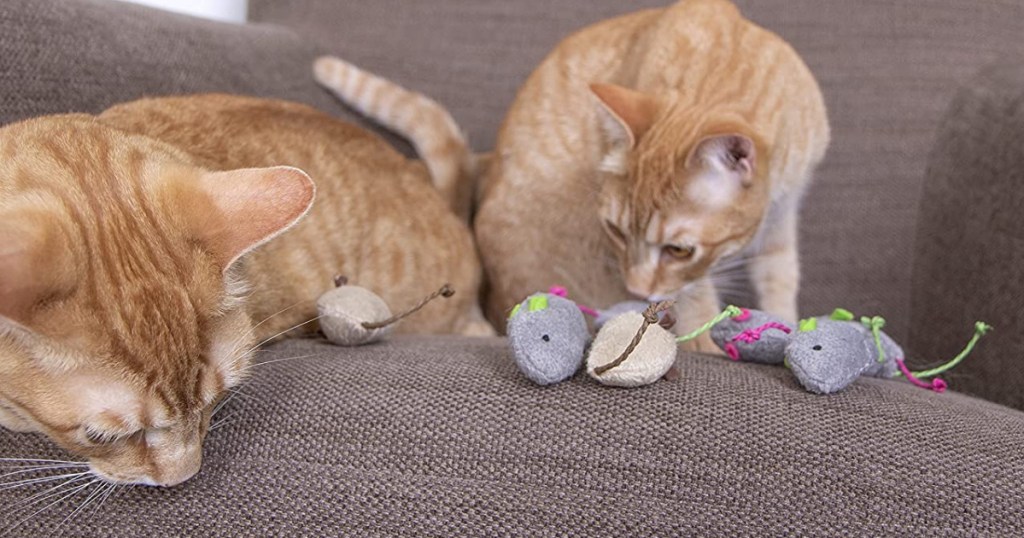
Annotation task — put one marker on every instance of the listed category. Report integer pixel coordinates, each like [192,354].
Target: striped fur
[425,123]
[643,152]
[124,317]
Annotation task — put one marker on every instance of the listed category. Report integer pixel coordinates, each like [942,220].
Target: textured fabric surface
[970,245]
[888,71]
[445,437]
[60,56]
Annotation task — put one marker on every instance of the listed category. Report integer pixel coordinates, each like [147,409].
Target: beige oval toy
[353,315]
[651,349]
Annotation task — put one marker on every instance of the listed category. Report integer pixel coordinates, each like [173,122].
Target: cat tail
[426,124]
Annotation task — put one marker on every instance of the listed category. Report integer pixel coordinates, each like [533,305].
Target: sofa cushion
[969,261]
[444,437]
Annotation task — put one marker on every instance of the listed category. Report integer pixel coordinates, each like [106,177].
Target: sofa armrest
[969,257]
[59,56]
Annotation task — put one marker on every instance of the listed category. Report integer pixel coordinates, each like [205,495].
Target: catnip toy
[633,349]
[826,354]
[548,335]
[353,315]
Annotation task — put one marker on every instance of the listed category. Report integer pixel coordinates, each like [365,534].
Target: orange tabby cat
[643,150]
[129,283]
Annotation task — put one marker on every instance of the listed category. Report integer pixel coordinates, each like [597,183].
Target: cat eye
[106,438]
[616,232]
[679,253]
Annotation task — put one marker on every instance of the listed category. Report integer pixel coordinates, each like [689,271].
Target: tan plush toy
[353,315]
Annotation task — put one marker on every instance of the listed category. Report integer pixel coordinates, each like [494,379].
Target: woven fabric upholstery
[970,243]
[444,437]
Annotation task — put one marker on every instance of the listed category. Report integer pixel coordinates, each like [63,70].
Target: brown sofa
[914,217]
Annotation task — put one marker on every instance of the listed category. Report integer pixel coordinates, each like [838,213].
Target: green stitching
[515,311]
[875,324]
[538,302]
[729,312]
[841,314]
[808,325]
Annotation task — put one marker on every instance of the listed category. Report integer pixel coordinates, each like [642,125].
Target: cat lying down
[145,251]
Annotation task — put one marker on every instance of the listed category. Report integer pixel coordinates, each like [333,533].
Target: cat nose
[179,474]
[172,474]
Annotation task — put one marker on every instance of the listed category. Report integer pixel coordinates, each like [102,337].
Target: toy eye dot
[817,348]
[545,338]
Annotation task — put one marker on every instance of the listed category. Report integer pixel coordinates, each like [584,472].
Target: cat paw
[477,329]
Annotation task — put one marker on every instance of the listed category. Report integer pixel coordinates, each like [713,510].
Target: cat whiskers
[240,356]
[69,486]
[286,359]
[235,392]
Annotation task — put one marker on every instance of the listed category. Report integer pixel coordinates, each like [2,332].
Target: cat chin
[138,481]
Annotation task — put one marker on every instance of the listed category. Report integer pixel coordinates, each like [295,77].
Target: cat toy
[549,337]
[827,353]
[353,315]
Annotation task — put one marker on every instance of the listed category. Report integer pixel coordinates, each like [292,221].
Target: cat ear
[626,114]
[732,154]
[33,263]
[250,207]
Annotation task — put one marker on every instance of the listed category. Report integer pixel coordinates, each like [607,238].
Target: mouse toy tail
[564,293]
[445,291]
[650,318]
[937,384]
[980,329]
[729,312]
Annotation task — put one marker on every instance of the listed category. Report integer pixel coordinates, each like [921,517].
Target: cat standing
[144,251]
[645,149]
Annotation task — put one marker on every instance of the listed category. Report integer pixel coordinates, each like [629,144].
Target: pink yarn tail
[562,292]
[744,315]
[588,311]
[937,384]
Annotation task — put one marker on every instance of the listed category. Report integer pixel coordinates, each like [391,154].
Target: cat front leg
[775,269]
[12,421]
[697,306]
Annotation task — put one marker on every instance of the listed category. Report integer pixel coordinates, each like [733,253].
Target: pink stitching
[731,351]
[744,315]
[749,336]
[938,385]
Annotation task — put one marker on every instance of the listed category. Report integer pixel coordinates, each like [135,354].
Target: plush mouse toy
[826,354]
[637,349]
[549,336]
[353,316]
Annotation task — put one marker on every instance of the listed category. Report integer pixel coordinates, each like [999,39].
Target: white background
[221,10]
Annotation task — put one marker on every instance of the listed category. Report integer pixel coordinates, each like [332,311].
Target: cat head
[680,189]
[121,314]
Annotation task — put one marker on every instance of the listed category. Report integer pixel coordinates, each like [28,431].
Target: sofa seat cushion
[442,436]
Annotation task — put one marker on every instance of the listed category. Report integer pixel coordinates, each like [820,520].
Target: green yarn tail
[729,312]
[980,328]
